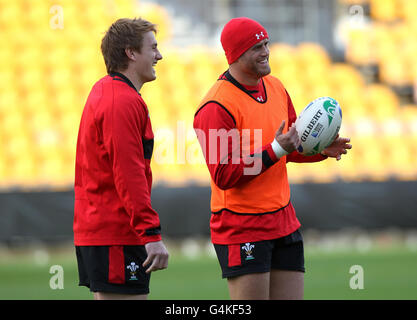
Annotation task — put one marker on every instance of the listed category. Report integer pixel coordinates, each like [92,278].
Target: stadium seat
[385,10]
[202,69]
[407,10]
[381,101]
[397,149]
[36,15]
[373,163]
[312,59]
[359,50]
[159,16]
[47,73]
[283,64]
[344,76]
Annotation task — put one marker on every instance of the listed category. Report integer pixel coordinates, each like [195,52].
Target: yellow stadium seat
[408,54]
[8,10]
[4,173]
[94,17]
[283,63]
[382,102]
[56,58]
[384,10]
[125,8]
[36,15]
[312,56]
[320,88]
[353,106]
[12,120]
[299,95]
[401,33]
[373,163]
[23,170]
[52,167]
[359,50]
[41,121]
[345,76]
[397,139]
[31,80]
[382,41]
[158,15]
[201,67]
[347,168]
[408,114]
[7,58]
[407,10]
[16,144]
[34,102]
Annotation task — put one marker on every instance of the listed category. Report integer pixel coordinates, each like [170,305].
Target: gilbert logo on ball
[318,125]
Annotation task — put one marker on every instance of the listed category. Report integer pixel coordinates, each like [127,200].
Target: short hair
[123,34]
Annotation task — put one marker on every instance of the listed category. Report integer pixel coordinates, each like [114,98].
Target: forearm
[299,158]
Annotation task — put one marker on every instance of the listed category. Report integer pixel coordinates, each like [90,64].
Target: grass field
[389,273]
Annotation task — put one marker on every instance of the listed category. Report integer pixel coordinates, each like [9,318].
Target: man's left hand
[337,148]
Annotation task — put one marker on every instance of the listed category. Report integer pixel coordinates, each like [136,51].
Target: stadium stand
[47,73]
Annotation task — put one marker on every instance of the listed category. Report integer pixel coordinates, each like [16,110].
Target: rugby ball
[318,125]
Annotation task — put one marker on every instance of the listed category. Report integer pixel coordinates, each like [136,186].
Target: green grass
[388,274]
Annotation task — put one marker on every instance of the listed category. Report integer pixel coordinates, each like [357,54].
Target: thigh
[113,269]
[287,268]
[118,296]
[288,253]
[286,285]
[254,286]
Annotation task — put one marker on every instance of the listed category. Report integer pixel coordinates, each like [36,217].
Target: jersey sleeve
[227,167]
[122,138]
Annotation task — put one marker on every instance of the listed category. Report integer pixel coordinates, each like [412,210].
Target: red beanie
[240,34]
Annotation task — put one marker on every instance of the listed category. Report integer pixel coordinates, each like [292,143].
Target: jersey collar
[230,78]
[121,77]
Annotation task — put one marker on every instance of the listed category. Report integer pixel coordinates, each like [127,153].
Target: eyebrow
[260,44]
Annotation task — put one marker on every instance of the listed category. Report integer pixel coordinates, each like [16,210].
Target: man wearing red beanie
[253,225]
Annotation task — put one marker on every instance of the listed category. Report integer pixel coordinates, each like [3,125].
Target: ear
[130,54]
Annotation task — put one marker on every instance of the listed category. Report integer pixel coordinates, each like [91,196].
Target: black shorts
[286,253]
[114,269]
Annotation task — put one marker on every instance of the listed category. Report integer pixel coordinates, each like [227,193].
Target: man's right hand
[288,141]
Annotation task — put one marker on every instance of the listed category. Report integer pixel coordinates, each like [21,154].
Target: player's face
[255,61]
[148,58]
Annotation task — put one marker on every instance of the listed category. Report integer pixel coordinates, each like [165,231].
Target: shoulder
[213,111]
[120,102]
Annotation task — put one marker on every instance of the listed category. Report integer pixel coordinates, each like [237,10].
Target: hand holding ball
[318,125]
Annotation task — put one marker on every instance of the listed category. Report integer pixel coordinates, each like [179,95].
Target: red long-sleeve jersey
[229,174]
[113,178]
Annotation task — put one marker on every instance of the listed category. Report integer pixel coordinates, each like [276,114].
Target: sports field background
[388,260]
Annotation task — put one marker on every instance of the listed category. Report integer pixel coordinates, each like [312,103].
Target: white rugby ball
[318,125]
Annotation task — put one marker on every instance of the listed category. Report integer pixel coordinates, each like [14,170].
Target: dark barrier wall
[47,216]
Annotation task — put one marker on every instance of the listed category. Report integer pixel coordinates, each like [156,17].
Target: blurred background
[361,210]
